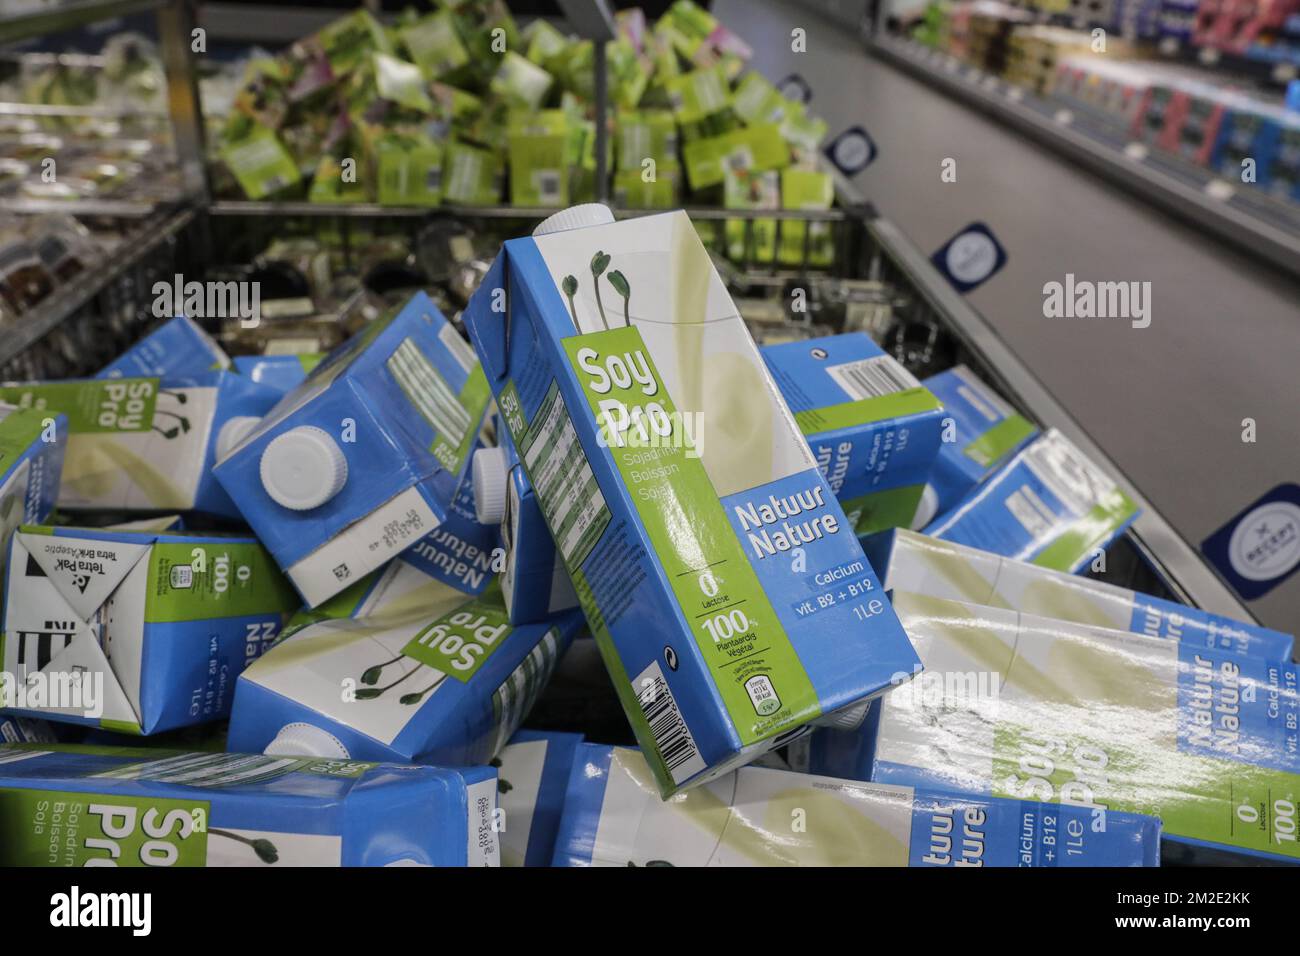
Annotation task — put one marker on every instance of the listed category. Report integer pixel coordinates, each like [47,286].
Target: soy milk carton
[729,596]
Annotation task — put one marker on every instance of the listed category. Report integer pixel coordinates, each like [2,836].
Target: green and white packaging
[1027,707]
[470,176]
[751,240]
[539,148]
[434,44]
[348,40]
[648,134]
[812,243]
[410,170]
[632,191]
[908,561]
[543,41]
[260,164]
[756,100]
[400,82]
[698,94]
[520,82]
[754,149]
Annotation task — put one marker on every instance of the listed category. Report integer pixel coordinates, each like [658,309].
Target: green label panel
[108,405]
[1219,801]
[866,411]
[194,582]
[58,828]
[998,440]
[762,683]
[459,643]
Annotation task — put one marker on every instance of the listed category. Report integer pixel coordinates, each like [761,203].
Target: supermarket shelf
[68,16]
[65,301]
[1177,563]
[115,208]
[368,210]
[1267,230]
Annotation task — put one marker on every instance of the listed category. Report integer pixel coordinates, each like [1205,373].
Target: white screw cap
[303,468]
[489,475]
[233,432]
[304,740]
[575,217]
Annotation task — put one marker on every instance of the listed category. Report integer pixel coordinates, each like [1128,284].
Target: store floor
[1166,402]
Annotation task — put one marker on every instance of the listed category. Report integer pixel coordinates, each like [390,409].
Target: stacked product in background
[460,106]
[1219,120]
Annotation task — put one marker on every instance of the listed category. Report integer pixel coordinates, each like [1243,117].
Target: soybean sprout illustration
[371,675]
[180,419]
[370,693]
[570,287]
[265,849]
[410,699]
[599,263]
[620,284]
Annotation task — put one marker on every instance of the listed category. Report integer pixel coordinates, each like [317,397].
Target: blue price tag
[971,257]
[1260,547]
[795,87]
[851,151]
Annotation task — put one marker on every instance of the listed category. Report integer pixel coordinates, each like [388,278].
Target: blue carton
[980,432]
[178,347]
[1049,506]
[441,679]
[364,458]
[533,771]
[116,806]
[133,631]
[728,595]
[614,817]
[873,428]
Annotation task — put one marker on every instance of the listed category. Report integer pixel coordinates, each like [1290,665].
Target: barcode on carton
[547,182]
[426,389]
[672,738]
[872,377]
[1073,479]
